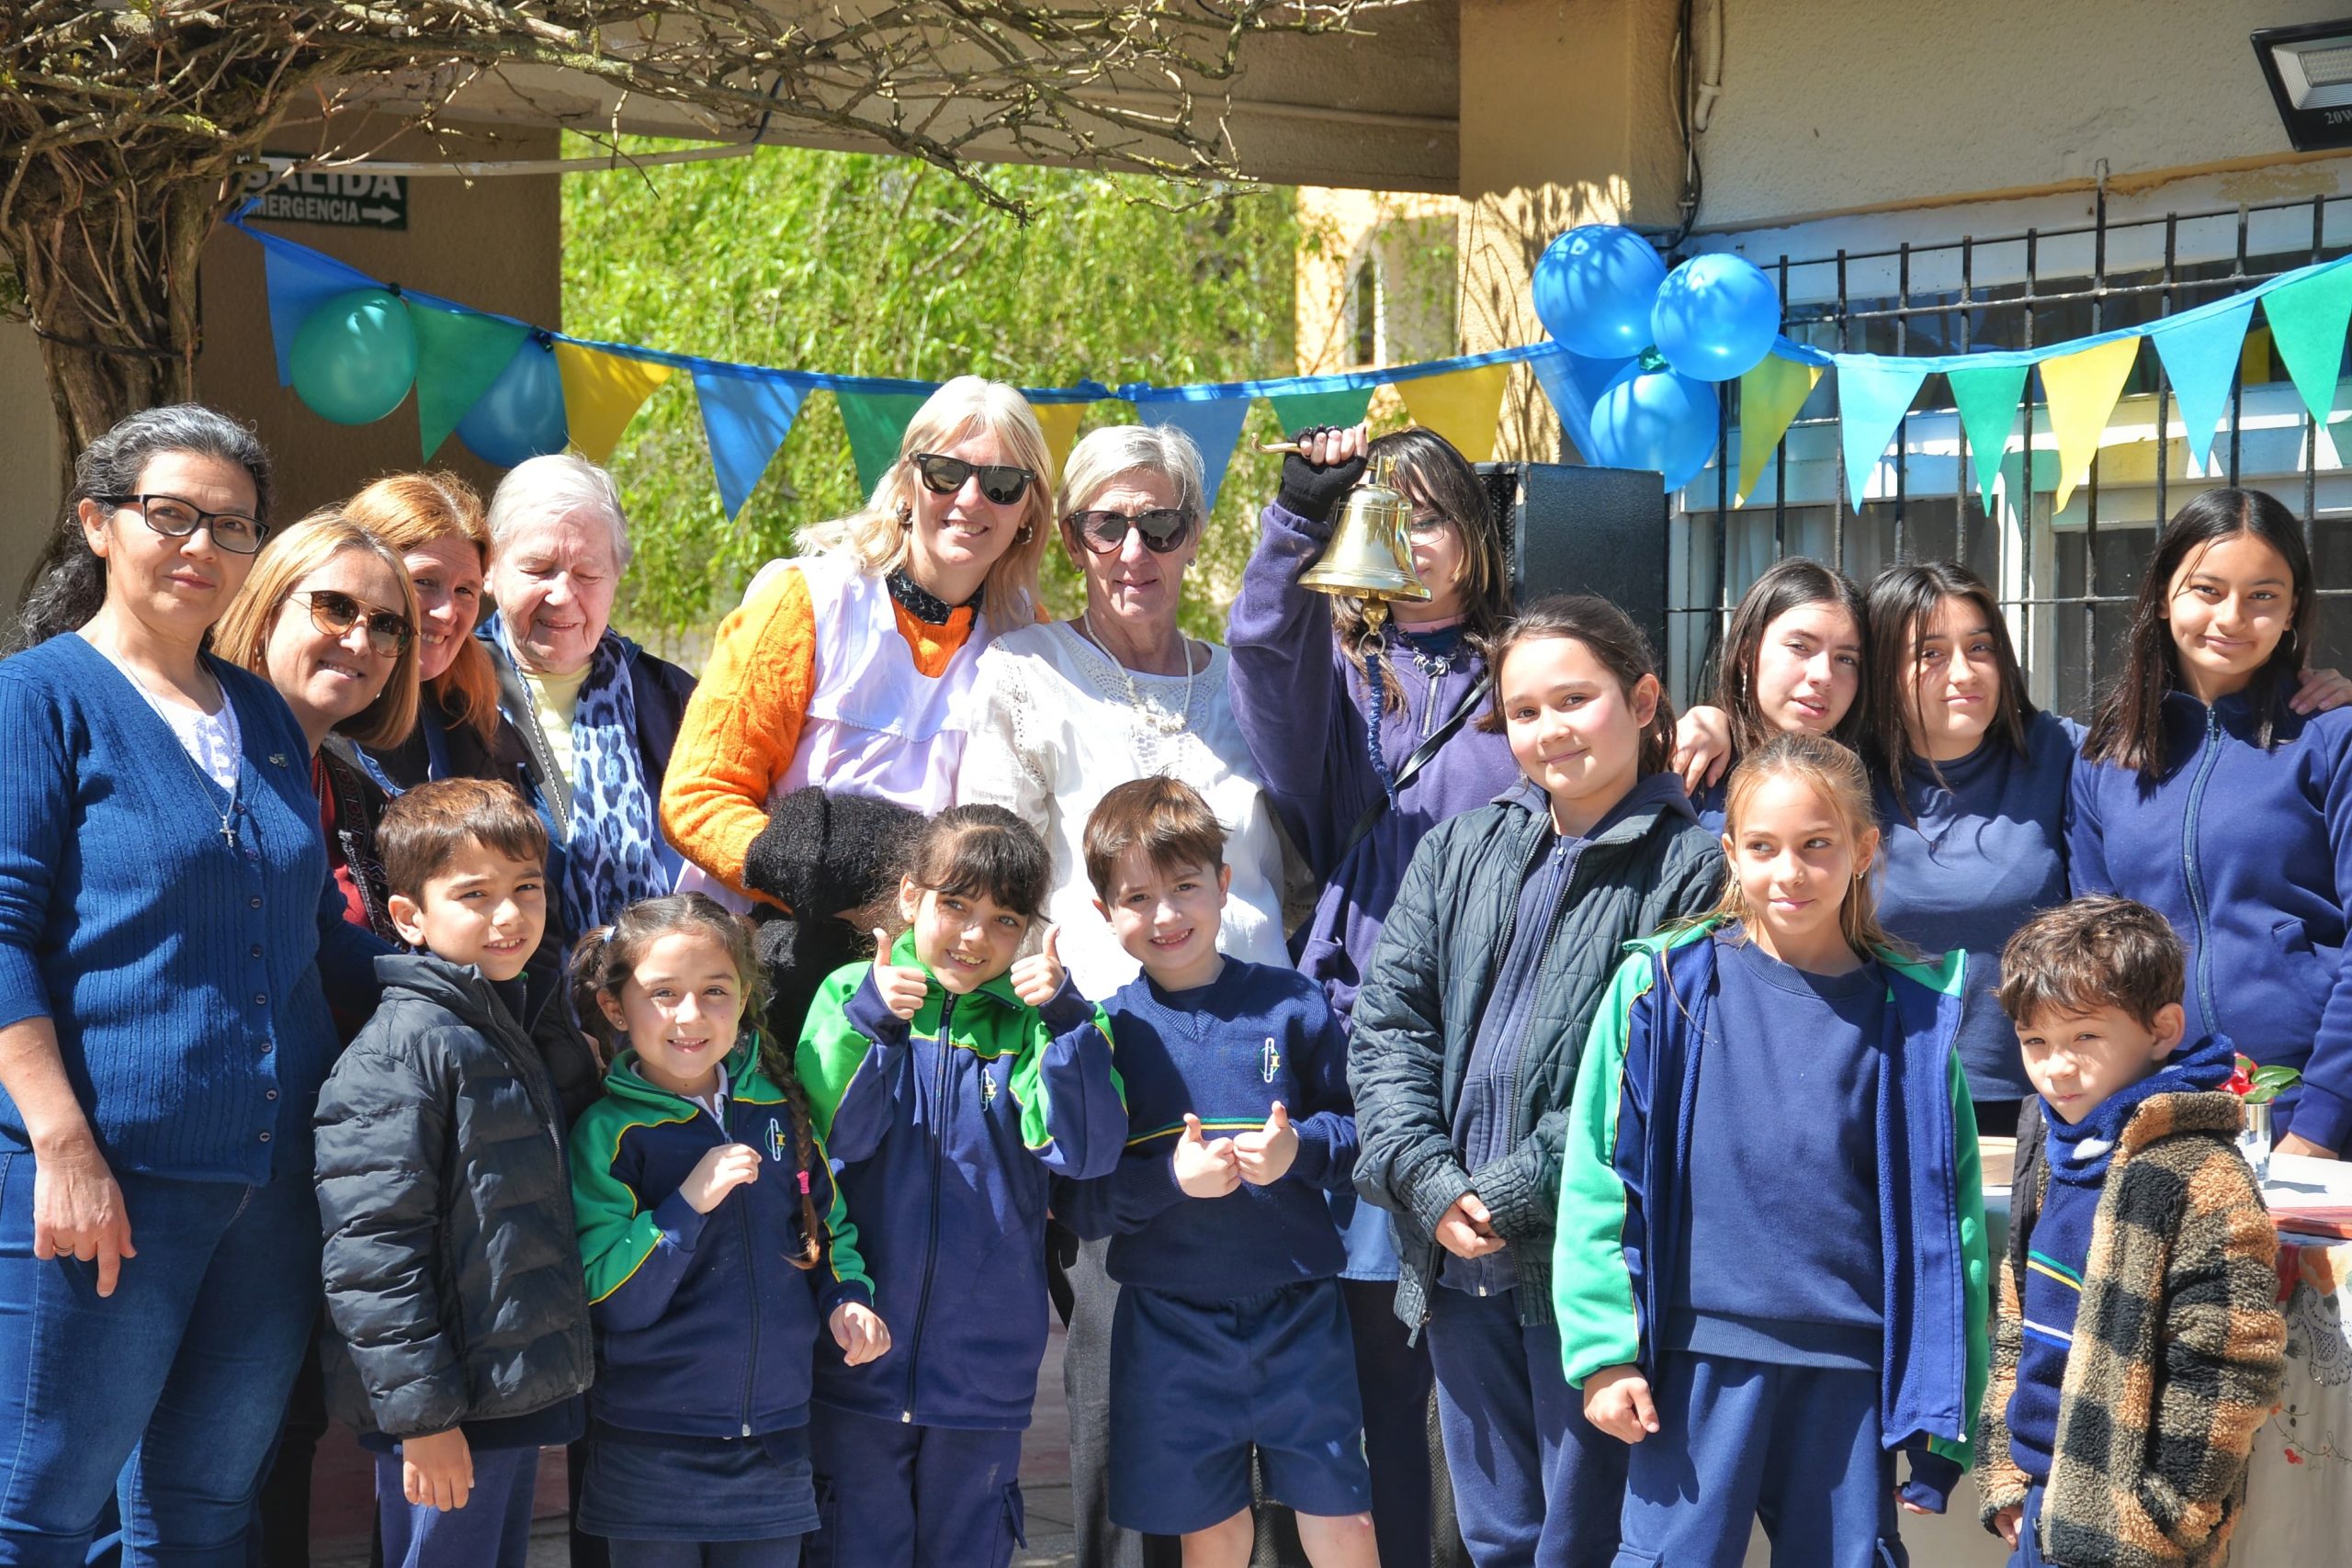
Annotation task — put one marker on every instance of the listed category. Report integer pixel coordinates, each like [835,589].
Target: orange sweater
[743,725]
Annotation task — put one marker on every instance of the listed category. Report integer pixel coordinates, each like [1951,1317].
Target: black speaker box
[1578,530]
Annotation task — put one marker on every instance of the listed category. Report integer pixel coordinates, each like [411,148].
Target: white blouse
[1052,731]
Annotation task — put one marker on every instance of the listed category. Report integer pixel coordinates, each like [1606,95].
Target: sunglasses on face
[1001,482]
[1163,529]
[335,613]
[176,519]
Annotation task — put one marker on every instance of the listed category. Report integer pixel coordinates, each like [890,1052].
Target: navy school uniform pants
[1797,1447]
[2028,1552]
[1535,1485]
[893,1495]
[492,1530]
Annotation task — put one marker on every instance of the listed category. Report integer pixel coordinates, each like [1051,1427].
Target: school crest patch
[776,1141]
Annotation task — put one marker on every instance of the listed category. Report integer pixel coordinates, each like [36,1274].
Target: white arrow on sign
[379,214]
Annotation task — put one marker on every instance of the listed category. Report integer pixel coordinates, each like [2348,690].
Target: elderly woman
[165,913]
[598,715]
[833,706]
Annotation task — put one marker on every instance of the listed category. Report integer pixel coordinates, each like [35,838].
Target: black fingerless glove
[1311,492]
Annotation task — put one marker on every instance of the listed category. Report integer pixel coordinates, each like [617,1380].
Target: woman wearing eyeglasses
[166,914]
[833,706]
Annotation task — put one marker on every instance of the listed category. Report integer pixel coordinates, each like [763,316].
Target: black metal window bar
[2066,584]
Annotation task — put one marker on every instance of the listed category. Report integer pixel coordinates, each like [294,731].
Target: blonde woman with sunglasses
[833,706]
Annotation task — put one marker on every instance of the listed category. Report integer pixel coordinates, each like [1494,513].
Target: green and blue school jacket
[705,1325]
[950,1128]
[1628,1152]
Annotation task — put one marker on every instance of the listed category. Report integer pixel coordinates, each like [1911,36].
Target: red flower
[2241,1076]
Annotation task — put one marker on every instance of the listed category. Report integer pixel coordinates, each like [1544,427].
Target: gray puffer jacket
[453,1274]
[1428,983]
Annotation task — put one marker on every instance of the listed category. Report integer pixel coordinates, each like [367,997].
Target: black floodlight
[2310,72]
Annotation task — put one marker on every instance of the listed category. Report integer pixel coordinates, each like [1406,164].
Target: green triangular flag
[459,355]
[1986,396]
[1297,411]
[877,422]
[2307,324]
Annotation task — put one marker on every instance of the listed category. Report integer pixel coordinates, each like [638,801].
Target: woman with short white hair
[598,715]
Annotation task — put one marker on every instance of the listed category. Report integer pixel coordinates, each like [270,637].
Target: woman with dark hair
[165,913]
[2203,793]
[1367,739]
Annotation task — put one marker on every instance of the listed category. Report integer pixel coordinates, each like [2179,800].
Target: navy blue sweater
[1966,859]
[1779,1037]
[1224,1052]
[2250,854]
[182,975]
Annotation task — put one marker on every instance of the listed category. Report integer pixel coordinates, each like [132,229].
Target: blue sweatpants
[891,1494]
[492,1530]
[1797,1447]
[1534,1484]
[2028,1552]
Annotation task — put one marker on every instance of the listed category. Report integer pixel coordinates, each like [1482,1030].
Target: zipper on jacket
[2189,867]
[938,1159]
[751,1278]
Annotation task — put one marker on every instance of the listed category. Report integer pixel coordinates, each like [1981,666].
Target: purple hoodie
[1302,707]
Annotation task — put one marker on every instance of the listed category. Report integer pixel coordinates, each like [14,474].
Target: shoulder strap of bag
[1417,761]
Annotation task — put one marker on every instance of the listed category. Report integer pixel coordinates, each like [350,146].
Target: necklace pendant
[229,832]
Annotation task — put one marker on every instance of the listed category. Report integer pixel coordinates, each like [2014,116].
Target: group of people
[722,1077]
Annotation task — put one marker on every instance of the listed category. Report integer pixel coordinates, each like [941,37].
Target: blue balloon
[1657,419]
[1715,317]
[521,414]
[1593,288]
[355,356]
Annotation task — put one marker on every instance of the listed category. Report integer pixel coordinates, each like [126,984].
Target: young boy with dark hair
[1231,1334]
[2139,1342]
[459,1301]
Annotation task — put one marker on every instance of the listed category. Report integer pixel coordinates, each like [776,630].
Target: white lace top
[1052,731]
[212,741]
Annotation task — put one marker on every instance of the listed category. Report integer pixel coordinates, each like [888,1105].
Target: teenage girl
[1468,1031]
[1767,1307]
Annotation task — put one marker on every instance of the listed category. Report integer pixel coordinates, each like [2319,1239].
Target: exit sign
[341,198]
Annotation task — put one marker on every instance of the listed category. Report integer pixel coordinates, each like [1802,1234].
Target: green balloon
[355,356]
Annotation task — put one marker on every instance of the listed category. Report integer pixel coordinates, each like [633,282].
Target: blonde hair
[243,635]
[410,511]
[1102,456]
[873,539]
[1838,779]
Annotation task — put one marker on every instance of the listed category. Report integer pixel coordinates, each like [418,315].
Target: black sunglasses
[1001,482]
[335,613]
[176,519]
[1164,528]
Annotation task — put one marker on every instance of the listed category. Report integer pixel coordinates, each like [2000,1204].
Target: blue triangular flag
[297,280]
[1215,426]
[1574,384]
[2200,355]
[746,418]
[1872,396]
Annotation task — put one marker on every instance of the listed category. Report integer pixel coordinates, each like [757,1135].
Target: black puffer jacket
[1427,983]
[454,1283]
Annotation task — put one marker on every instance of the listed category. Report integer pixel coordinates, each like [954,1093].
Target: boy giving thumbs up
[1231,1334]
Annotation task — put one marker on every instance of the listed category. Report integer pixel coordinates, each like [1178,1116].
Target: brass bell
[1371,555]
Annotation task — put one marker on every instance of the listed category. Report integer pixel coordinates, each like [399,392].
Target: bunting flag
[1987,396]
[602,392]
[1573,384]
[1215,426]
[459,355]
[2081,390]
[298,281]
[746,418]
[877,422]
[1462,407]
[1769,397]
[2307,324]
[1296,411]
[1872,397]
[2199,356]
[1059,423]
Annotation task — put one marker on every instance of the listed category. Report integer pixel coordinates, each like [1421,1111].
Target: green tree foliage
[884,266]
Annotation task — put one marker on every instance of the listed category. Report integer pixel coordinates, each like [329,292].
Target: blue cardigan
[182,975]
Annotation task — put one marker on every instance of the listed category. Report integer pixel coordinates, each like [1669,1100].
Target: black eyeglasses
[1001,482]
[1164,528]
[176,519]
[335,613]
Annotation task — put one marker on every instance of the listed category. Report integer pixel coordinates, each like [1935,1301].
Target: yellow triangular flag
[1770,396]
[1462,407]
[602,393]
[1059,423]
[2081,390]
